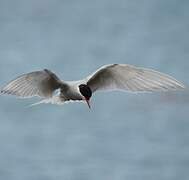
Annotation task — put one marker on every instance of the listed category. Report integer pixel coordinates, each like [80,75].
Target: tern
[123,77]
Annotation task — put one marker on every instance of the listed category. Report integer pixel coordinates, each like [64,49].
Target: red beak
[88,103]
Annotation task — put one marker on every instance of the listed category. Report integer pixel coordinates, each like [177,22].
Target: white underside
[56,100]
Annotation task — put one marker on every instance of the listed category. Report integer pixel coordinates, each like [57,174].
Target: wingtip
[2,92]
[182,86]
[7,92]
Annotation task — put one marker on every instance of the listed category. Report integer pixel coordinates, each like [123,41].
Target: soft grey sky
[125,136]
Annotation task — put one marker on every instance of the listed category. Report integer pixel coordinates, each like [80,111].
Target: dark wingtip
[1,91]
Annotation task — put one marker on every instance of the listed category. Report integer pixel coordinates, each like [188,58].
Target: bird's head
[86,92]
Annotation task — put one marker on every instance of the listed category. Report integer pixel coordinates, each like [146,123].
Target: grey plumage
[130,78]
[38,83]
[109,77]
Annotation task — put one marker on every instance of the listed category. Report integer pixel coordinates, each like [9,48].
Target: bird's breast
[70,93]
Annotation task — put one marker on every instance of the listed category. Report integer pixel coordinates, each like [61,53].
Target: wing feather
[38,83]
[131,78]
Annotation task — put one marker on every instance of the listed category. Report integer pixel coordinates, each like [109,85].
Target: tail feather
[54,100]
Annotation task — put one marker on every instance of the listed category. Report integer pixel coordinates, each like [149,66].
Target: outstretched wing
[38,83]
[131,78]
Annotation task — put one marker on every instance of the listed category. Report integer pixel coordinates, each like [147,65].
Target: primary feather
[131,78]
[38,83]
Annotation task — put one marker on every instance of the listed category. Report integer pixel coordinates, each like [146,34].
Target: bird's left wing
[131,78]
[38,83]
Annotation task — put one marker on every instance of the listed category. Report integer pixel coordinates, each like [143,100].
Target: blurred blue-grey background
[124,136]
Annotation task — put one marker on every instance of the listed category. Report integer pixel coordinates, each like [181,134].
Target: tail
[54,100]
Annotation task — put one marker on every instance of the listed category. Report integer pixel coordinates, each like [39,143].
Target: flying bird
[46,85]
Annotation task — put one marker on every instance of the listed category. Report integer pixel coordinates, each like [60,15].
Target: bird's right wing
[130,78]
[38,83]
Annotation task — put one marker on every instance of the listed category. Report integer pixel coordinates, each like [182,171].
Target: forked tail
[54,100]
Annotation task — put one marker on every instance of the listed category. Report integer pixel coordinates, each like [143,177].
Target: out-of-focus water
[124,136]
